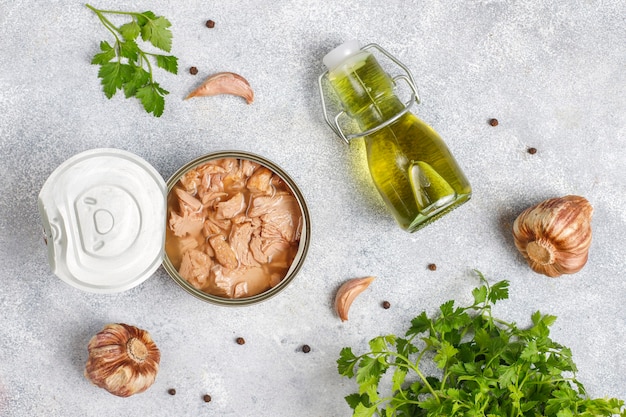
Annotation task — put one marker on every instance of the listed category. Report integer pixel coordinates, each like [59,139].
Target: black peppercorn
[207,398]
[386,304]
[532,151]
[432,267]
[306,348]
[493,122]
[193,70]
[241,341]
[210,24]
[171,391]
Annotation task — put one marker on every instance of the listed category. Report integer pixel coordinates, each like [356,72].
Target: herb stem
[106,23]
[120,12]
[145,59]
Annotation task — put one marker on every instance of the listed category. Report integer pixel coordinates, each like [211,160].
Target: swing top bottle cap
[340,53]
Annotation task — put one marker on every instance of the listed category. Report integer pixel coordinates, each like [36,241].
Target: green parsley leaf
[480,295]
[152,98]
[107,54]
[112,77]
[499,291]
[419,325]
[355,399]
[127,66]
[445,354]
[130,50]
[130,31]
[168,63]
[155,30]
[487,367]
[138,78]
[346,362]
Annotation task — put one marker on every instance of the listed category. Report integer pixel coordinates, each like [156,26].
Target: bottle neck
[365,90]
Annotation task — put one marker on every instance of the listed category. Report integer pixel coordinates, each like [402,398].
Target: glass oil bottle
[411,166]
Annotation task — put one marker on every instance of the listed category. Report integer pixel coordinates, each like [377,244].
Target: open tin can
[105,215]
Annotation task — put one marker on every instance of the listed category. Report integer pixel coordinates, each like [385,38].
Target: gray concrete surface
[552,73]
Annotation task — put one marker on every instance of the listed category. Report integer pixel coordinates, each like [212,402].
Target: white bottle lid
[340,53]
[104,214]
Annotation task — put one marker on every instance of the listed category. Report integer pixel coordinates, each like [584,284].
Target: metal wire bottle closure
[406,77]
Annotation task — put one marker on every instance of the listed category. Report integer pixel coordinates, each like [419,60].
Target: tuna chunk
[211,198]
[195,268]
[223,252]
[256,248]
[187,243]
[241,282]
[280,214]
[184,198]
[274,247]
[210,169]
[248,167]
[261,181]
[191,181]
[232,207]
[187,224]
[239,240]
[214,226]
[189,221]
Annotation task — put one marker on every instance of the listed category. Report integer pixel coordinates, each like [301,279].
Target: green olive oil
[411,166]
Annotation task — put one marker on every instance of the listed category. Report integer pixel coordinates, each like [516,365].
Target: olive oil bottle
[411,166]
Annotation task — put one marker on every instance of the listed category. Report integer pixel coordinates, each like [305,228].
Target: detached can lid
[103,214]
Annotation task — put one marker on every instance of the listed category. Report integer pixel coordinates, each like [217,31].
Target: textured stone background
[553,73]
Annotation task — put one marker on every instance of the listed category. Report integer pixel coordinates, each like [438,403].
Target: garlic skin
[554,236]
[123,360]
[347,293]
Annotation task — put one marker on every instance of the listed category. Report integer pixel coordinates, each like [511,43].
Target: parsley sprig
[125,66]
[484,367]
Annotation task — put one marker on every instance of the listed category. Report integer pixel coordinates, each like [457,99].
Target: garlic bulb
[122,359]
[554,236]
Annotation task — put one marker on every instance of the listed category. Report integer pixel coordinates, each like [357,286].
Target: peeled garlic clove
[347,293]
[224,83]
[123,359]
[555,235]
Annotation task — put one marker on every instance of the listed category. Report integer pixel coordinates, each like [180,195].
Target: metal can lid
[103,213]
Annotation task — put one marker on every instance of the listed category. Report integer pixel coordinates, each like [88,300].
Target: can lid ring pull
[407,77]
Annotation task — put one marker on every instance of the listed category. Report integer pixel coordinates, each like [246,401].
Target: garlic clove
[224,83]
[554,236]
[123,359]
[347,293]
